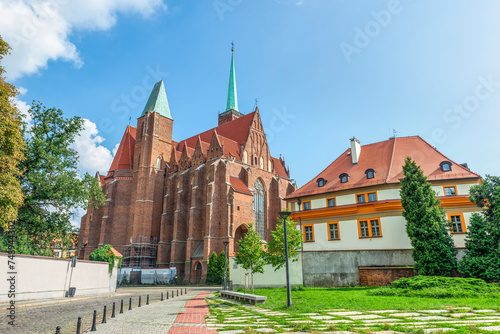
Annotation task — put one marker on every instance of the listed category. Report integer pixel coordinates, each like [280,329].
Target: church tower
[152,149]
[231,112]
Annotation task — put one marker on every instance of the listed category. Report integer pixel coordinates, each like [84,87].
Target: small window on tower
[158,163]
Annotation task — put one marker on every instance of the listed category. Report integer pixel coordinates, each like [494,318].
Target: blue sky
[322,71]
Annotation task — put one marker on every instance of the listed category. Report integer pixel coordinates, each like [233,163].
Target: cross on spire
[232,46]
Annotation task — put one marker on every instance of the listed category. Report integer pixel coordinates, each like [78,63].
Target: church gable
[215,148]
[198,156]
[185,160]
[255,150]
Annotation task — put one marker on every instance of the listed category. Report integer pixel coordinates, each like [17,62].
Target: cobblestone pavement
[230,317]
[31,317]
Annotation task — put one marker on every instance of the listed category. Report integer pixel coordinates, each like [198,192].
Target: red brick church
[172,203]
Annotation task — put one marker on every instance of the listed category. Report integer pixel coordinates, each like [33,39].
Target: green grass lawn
[359,299]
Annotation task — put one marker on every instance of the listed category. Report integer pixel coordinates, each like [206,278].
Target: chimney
[355,150]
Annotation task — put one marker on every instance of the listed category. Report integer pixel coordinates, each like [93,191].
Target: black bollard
[181,291]
[104,315]
[113,313]
[121,307]
[186,290]
[167,294]
[147,300]
[130,304]
[172,293]
[139,301]
[161,297]
[93,329]
[58,330]
[78,325]
[177,292]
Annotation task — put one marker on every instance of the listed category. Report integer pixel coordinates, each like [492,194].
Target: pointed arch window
[259,205]
[245,157]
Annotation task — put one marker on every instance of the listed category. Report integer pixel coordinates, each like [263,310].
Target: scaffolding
[141,253]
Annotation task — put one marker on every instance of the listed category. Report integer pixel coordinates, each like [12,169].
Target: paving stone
[492,328]
[265,330]
[409,314]
[384,311]
[302,321]
[480,311]
[434,311]
[337,321]
[430,317]
[364,316]
[321,317]
[461,315]
[432,330]
[382,320]
[385,332]
[232,332]
[237,318]
[309,313]
[345,313]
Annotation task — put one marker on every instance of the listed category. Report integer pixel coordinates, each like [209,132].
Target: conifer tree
[426,224]
[482,254]
[213,277]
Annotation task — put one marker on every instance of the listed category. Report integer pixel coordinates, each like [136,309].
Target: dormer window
[321,182]
[445,166]
[344,178]
[370,173]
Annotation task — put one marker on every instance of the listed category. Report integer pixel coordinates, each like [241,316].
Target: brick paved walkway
[192,320]
[184,314]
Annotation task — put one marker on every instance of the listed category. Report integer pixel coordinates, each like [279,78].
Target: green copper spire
[232,98]
[157,101]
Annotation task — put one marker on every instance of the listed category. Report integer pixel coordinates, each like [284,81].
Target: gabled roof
[279,168]
[386,158]
[124,157]
[158,101]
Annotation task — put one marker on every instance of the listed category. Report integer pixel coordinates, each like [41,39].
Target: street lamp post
[225,243]
[284,215]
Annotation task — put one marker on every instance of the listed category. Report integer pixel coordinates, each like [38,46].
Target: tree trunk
[251,272]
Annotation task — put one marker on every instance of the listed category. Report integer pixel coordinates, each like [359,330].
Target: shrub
[105,254]
[439,287]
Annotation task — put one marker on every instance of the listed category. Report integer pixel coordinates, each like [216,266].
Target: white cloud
[39,30]
[116,149]
[93,156]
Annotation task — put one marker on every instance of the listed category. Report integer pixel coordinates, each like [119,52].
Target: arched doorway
[238,235]
[197,273]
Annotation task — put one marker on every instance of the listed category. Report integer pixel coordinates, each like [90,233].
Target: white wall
[269,279]
[40,277]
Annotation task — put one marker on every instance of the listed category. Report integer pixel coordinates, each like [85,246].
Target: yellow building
[351,215]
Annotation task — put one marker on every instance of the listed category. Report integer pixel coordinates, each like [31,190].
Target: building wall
[269,279]
[45,277]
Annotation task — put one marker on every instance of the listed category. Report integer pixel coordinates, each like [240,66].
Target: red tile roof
[124,157]
[239,185]
[279,168]
[387,159]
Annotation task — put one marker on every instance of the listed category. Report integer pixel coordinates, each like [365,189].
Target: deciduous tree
[426,224]
[11,148]
[51,185]
[275,253]
[251,253]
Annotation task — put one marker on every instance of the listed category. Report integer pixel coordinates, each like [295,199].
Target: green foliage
[50,184]
[426,224]
[213,273]
[439,287]
[251,253]
[482,254]
[215,270]
[275,254]
[11,148]
[105,254]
